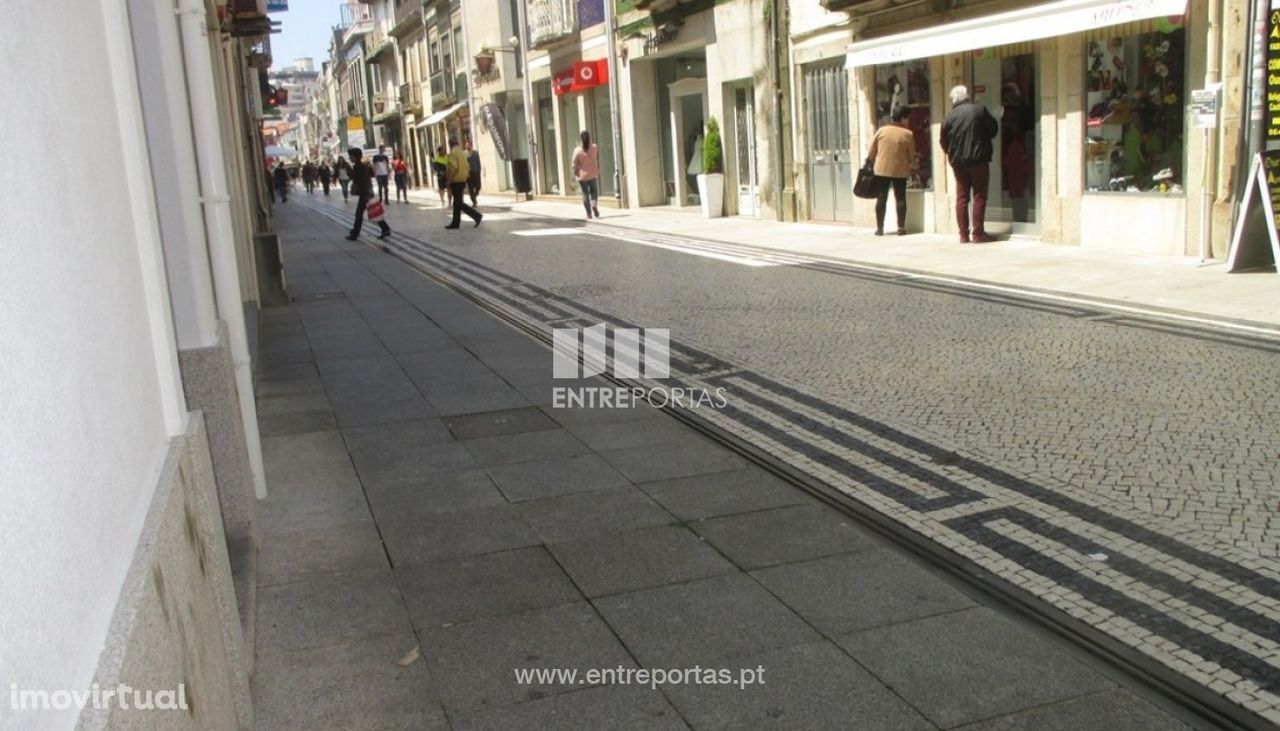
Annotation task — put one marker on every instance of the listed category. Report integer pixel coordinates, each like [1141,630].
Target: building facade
[1095,146]
[130,471]
[1092,97]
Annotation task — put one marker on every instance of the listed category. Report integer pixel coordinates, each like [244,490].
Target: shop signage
[587,74]
[661,37]
[496,122]
[355,132]
[1273,76]
[277,6]
[562,82]
[1204,108]
[1256,243]
[1041,20]
[584,75]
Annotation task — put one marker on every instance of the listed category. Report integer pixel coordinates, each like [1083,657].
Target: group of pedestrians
[457,174]
[967,134]
[460,172]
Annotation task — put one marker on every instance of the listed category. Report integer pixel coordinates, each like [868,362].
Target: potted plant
[711,180]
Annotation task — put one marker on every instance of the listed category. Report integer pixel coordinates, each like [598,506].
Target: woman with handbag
[342,171]
[893,155]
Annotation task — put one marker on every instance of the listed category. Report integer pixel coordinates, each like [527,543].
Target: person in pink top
[586,168]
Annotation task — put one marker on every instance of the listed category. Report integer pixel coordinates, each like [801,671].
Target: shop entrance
[826,89]
[688,104]
[744,136]
[1003,79]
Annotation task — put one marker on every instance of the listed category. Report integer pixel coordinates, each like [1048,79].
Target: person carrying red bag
[362,185]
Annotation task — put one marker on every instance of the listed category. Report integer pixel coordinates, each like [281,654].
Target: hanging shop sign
[562,82]
[496,122]
[582,76]
[277,6]
[355,132]
[587,74]
[1255,244]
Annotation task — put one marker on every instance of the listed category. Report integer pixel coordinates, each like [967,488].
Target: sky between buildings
[304,32]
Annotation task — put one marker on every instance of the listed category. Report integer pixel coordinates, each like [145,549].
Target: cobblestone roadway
[1172,429]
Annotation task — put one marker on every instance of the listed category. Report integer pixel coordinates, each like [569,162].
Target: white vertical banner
[564,343]
[594,350]
[657,353]
[626,353]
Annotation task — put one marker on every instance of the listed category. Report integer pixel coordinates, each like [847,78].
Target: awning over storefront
[440,116]
[1016,26]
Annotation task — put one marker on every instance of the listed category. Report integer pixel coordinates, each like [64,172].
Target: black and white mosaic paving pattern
[1176,594]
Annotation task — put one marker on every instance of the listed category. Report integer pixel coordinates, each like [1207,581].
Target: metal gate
[826,101]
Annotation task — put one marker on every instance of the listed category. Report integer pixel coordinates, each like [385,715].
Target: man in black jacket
[362,186]
[967,133]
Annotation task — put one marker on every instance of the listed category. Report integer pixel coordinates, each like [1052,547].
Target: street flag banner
[496,122]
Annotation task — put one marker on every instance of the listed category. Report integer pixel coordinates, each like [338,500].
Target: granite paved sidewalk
[434,526]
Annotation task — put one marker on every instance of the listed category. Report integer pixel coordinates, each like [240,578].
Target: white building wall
[86,400]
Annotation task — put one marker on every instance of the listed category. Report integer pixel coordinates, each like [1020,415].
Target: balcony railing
[411,96]
[354,15]
[379,41]
[442,89]
[551,21]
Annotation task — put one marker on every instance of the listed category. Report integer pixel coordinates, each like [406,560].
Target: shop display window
[907,84]
[1135,92]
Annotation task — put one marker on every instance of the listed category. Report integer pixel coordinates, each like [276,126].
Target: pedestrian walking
[342,171]
[401,172]
[271,183]
[473,177]
[440,164]
[966,138]
[309,176]
[381,170]
[281,178]
[362,186]
[326,176]
[893,156]
[586,168]
[457,170]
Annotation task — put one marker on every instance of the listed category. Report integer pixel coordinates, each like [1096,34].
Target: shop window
[907,84]
[1135,100]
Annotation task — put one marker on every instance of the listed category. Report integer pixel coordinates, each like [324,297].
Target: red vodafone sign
[584,75]
[587,74]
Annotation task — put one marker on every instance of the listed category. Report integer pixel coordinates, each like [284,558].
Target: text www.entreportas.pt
[652,677]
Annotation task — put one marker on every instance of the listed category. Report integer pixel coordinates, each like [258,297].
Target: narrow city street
[1074,453]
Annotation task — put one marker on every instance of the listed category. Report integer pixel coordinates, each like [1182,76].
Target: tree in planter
[712,154]
[711,181]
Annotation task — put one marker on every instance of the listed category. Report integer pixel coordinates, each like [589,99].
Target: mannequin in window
[694,168]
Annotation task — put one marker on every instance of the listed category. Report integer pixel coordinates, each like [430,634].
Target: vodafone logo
[584,75]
